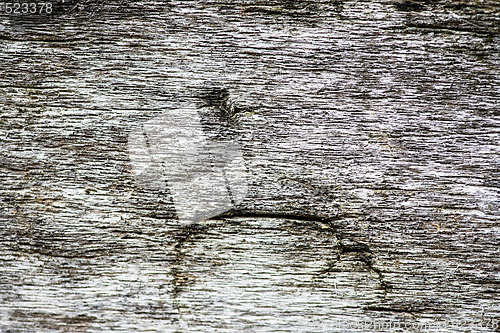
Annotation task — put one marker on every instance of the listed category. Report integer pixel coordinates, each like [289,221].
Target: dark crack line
[300,217]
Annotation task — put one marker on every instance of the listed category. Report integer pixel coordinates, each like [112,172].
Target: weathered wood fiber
[371,131]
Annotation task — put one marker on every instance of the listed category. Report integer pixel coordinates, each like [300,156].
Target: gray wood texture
[370,130]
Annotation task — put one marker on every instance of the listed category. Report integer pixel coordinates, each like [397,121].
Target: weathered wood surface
[378,121]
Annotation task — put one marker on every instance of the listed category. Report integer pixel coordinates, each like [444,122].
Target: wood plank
[370,130]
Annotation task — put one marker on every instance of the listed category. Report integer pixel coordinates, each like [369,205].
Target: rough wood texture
[370,129]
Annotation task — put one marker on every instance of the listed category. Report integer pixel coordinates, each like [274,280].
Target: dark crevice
[186,233]
[412,308]
[388,309]
[278,215]
[362,252]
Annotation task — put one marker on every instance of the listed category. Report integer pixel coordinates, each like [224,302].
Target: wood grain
[370,130]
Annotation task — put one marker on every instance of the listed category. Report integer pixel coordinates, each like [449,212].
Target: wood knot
[220,99]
